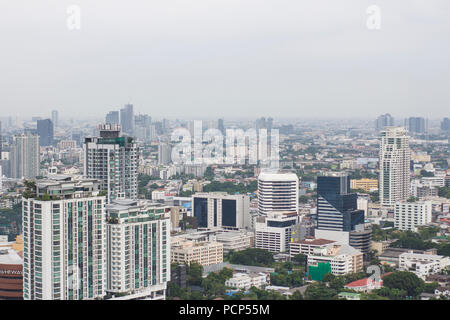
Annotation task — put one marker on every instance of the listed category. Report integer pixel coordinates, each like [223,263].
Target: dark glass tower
[45,132]
[336,207]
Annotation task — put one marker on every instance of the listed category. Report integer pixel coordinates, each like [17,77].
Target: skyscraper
[45,132]
[127,119]
[383,121]
[337,208]
[55,119]
[112,159]
[277,192]
[64,233]
[112,117]
[416,125]
[220,126]
[164,154]
[24,156]
[445,124]
[394,175]
[142,124]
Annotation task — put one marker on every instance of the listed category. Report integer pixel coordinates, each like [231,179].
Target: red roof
[364,282]
[358,283]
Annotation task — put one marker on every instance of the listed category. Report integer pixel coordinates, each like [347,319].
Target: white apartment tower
[394,175]
[138,248]
[64,240]
[277,192]
[112,159]
[410,215]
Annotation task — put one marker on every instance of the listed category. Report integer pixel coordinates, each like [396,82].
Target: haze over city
[226,58]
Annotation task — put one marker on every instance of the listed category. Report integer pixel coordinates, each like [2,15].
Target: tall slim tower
[127,119]
[25,156]
[45,132]
[55,118]
[112,159]
[394,175]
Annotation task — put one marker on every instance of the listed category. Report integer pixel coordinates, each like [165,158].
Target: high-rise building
[112,117]
[394,175]
[416,125]
[337,208]
[277,192]
[164,154]
[383,121]
[269,124]
[55,119]
[127,119]
[63,243]
[260,124]
[24,156]
[221,126]
[445,124]
[142,124]
[112,159]
[221,210]
[45,132]
[138,250]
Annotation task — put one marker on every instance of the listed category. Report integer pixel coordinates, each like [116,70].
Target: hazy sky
[226,58]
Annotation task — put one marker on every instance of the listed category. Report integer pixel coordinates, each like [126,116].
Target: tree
[297,295]
[319,291]
[406,281]
[194,274]
[253,257]
[299,259]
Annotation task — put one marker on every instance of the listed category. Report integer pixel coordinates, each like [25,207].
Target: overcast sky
[226,58]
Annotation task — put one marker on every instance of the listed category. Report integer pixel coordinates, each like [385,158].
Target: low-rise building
[247,280]
[202,252]
[423,264]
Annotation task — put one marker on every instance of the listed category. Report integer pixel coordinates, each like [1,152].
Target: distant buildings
[394,176]
[383,121]
[445,124]
[112,117]
[55,118]
[410,215]
[64,241]
[127,119]
[277,192]
[416,125]
[24,156]
[113,160]
[164,154]
[217,210]
[45,132]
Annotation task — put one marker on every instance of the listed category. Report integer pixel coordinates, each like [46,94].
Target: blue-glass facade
[337,208]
